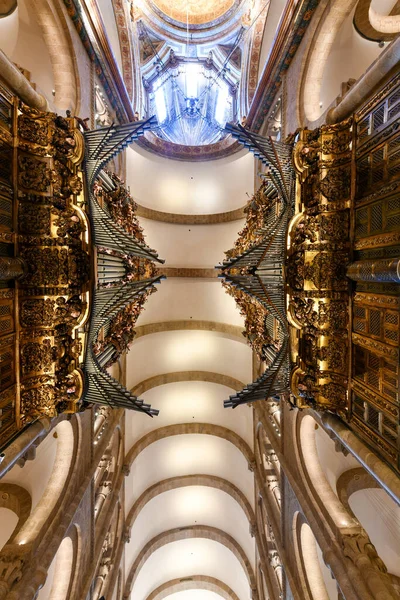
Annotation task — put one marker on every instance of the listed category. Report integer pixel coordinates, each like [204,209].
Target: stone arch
[63,577]
[321,503]
[177,376]
[319,486]
[232,331]
[208,219]
[66,448]
[189,428]
[384,24]
[315,60]
[194,531]
[351,481]
[18,499]
[75,533]
[60,47]
[174,483]
[196,582]
[309,570]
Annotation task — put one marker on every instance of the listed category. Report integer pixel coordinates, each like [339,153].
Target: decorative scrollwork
[255,315]
[316,267]
[256,210]
[51,229]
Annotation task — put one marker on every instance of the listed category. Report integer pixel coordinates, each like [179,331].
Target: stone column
[104,466]
[101,496]
[11,268]
[386,270]
[20,85]
[10,573]
[362,553]
[386,61]
[18,449]
[372,463]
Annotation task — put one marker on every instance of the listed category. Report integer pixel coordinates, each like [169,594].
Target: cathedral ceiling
[194,12]
[189,493]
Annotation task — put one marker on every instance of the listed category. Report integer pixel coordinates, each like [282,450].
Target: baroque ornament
[316,267]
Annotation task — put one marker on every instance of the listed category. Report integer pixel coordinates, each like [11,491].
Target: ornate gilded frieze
[56,292]
[319,251]
[53,241]
[253,271]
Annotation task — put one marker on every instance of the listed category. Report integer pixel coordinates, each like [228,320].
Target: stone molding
[174,483]
[351,481]
[189,428]
[18,499]
[29,438]
[232,331]
[194,582]
[183,219]
[319,49]
[379,470]
[153,143]
[51,533]
[178,376]
[182,533]
[372,77]
[190,272]
[60,48]
[124,38]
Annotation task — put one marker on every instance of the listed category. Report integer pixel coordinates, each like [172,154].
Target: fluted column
[386,270]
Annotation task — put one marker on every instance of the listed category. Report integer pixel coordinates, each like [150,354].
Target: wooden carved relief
[316,268]
[53,241]
[42,223]
[375,334]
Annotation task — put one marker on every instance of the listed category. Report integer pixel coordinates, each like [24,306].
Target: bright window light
[192,75]
[160,105]
[220,109]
